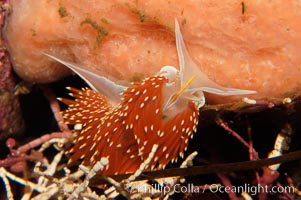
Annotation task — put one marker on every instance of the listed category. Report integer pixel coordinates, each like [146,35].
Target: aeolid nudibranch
[123,123]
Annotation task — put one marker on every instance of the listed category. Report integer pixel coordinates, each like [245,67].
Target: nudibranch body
[125,134]
[124,123]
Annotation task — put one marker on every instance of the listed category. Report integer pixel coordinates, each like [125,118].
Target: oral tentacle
[188,67]
[225,92]
[98,83]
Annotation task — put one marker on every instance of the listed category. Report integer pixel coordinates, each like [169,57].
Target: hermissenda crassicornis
[123,124]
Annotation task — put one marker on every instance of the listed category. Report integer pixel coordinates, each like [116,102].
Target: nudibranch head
[123,124]
[171,73]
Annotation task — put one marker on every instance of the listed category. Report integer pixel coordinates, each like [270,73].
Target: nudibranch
[124,123]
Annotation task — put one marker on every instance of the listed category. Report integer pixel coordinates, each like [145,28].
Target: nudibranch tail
[84,112]
[86,105]
[98,83]
[99,132]
[189,67]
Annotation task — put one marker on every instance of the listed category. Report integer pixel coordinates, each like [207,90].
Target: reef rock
[251,45]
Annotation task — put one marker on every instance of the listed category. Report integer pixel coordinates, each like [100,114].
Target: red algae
[254,45]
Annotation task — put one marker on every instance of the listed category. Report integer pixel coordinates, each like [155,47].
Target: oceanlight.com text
[250,189]
[215,188]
